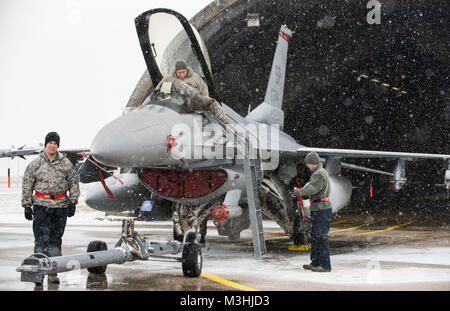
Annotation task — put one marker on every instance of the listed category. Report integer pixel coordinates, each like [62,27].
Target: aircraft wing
[335,156]
[351,153]
[73,154]
[21,152]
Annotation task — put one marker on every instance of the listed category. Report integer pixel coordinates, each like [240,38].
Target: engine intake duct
[89,173]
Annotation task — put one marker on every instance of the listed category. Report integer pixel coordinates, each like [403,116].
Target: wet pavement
[368,252]
[371,249]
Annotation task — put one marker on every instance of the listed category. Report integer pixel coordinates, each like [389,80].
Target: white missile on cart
[130,247]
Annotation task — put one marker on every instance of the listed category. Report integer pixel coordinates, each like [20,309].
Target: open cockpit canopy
[166,36]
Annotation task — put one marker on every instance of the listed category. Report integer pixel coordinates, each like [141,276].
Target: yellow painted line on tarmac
[353,228]
[387,229]
[226,282]
[339,222]
[287,237]
[333,223]
[279,231]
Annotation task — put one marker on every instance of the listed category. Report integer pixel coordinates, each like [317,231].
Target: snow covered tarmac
[367,253]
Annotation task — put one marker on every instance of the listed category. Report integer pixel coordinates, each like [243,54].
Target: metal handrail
[246,139]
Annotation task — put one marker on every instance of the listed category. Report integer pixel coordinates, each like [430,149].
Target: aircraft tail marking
[270,111]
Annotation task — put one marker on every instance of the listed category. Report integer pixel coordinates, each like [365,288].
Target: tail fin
[270,111]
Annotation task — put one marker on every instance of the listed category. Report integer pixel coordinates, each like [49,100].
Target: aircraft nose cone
[136,139]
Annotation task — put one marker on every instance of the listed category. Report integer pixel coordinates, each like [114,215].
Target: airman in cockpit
[189,84]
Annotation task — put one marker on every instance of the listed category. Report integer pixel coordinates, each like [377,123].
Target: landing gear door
[167,36]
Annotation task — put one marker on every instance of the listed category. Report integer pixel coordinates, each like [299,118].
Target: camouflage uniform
[196,101]
[50,177]
[192,79]
[49,215]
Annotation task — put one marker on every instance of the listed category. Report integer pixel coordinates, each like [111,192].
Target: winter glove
[71,210]
[291,192]
[28,212]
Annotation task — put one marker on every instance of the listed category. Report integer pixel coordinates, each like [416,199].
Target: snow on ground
[374,266]
[405,264]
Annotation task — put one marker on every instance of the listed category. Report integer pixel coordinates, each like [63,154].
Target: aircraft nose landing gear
[191,260]
[130,247]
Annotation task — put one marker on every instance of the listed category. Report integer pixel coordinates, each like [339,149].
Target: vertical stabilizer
[270,111]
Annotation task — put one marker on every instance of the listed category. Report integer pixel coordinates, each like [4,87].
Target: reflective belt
[319,200]
[50,196]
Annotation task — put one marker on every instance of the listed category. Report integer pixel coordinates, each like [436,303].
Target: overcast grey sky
[68,66]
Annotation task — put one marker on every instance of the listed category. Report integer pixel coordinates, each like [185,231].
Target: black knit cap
[52,136]
[180,64]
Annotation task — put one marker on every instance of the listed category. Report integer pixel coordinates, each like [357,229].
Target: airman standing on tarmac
[318,190]
[51,175]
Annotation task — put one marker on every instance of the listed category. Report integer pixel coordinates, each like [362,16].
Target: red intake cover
[220,212]
[187,184]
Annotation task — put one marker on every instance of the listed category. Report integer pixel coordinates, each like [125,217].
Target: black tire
[302,231]
[191,237]
[192,261]
[96,246]
[301,238]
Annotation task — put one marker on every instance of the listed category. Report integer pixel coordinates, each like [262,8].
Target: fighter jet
[235,172]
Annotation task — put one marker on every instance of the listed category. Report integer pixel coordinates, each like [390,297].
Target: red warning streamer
[300,200]
[84,155]
[100,175]
[102,180]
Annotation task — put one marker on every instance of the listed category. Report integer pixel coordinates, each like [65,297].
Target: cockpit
[166,37]
[172,100]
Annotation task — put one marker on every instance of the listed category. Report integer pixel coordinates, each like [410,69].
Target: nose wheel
[191,260]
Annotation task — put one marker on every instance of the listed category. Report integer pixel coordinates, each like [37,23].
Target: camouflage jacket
[191,78]
[317,187]
[55,177]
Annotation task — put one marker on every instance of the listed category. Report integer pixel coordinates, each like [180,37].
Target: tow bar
[130,247]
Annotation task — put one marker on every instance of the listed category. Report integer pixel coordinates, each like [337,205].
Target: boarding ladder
[250,159]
